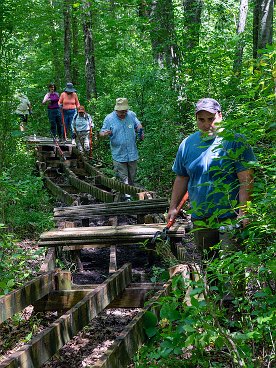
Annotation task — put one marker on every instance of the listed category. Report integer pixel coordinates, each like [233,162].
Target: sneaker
[73,142]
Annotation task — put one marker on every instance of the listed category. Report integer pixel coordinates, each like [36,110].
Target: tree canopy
[163,55]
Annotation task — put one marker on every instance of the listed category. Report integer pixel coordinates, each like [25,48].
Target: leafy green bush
[25,206]
[15,262]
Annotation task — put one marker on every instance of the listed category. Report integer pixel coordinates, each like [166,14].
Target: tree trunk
[67,39]
[90,65]
[262,25]
[57,70]
[162,33]
[240,32]
[75,32]
[192,22]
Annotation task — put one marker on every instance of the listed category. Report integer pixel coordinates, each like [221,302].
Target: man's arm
[106,130]
[245,190]
[180,187]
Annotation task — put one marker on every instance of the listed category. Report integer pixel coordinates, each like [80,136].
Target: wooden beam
[19,299]
[132,338]
[49,263]
[105,235]
[62,300]
[111,209]
[113,259]
[134,297]
[48,342]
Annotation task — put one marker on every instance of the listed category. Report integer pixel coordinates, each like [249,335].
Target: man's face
[208,122]
[121,114]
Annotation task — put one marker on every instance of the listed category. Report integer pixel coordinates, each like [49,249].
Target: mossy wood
[159,205]
[48,342]
[101,236]
[85,187]
[132,338]
[19,299]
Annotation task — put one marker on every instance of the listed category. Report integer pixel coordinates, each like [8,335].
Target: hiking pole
[63,123]
[61,153]
[164,233]
[90,143]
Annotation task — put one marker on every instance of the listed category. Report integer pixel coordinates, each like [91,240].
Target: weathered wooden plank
[102,232]
[59,300]
[111,182]
[131,339]
[134,297]
[19,299]
[102,236]
[58,191]
[47,343]
[87,188]
[108,209]
[113,259]
[49,263]
[146,202]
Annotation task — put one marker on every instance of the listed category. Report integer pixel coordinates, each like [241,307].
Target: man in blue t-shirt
[216,172]
[121,127]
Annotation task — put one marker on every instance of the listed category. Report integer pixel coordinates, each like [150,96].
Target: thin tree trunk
[67,39]
[90,65]
[165,51]
[192,22]
[54,45]
[75,65]
[262,25]
[240,32]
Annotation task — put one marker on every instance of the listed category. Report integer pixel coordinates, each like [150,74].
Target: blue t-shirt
[212,166]
[123,138]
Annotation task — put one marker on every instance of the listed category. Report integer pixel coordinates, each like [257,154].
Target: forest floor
[86,347]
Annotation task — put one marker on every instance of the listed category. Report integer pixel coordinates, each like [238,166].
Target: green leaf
[196,291]
[149,319]
[151,331]
[188,328]
[170,312]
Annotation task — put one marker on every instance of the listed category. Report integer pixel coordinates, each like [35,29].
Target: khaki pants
[125,171]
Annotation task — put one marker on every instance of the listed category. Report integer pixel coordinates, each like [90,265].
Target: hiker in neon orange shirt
[68,103]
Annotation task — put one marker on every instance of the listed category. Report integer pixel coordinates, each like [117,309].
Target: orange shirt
[69,101]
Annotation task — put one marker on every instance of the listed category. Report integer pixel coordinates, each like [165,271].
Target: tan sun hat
[121,104]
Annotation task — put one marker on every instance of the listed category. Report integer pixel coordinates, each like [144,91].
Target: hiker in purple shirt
[54,115]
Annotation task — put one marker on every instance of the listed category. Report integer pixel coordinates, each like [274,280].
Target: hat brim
[121,107]
[69,90]
[212,111]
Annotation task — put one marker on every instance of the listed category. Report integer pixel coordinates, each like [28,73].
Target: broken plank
[48,342]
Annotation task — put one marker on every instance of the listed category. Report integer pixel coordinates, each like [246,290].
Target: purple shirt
[53,97]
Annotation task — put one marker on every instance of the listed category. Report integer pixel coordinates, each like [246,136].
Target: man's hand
[106,133]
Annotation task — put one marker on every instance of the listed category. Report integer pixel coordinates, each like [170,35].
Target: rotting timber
[75,181]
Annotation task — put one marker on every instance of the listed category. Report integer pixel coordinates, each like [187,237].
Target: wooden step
[72,213]
[102,236]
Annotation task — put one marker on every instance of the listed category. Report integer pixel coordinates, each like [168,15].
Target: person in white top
[23,110]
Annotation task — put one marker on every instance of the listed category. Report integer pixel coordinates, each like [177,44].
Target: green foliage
[202,335]
[31,50]
[14,262]
[25,205]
